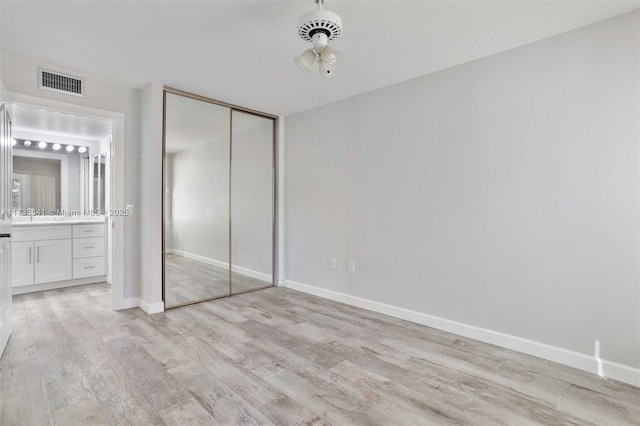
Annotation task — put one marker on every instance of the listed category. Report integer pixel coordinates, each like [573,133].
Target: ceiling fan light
[331,56]
[306,60]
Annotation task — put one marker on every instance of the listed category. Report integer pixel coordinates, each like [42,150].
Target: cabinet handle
[89,247]
[29,254]
[88,267]
[37,254]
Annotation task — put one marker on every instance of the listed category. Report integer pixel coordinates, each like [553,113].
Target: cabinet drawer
[88,247]
[44,232]
[81,231]
[88,267]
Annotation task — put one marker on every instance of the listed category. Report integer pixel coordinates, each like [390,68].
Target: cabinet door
[53,261]
[22,259]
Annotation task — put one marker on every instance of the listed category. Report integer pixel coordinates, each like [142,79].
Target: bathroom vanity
[48,254]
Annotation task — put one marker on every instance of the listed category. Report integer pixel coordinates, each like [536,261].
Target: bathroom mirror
[44,183]
[48,182]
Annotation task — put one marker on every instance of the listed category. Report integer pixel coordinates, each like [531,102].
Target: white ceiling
[241,51]
[56,124]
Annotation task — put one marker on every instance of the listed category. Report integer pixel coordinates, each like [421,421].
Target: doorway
[90,144]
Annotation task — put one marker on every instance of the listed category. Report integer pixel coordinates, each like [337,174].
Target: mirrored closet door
[251,201]
[218,197]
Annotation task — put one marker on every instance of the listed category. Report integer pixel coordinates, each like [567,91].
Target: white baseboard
[137,302]
[612,370]
[57,284]
[239,269]
[151,308]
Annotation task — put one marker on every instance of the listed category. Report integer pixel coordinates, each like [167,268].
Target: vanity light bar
[44,145]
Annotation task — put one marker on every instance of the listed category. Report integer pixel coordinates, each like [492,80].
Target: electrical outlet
[352,265]
[333,263]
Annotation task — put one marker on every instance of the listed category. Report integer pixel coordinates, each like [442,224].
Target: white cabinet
[53,261]
[43,254]
[88,247]
[88,251]
[88,267]
[38,262]
[22,272]
[84,231]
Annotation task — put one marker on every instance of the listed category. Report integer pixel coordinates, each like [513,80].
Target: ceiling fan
[319,27]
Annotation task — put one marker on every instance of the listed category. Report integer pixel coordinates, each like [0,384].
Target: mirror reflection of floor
[188,280]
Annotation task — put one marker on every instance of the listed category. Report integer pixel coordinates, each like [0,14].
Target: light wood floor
[187,280]
[276,356]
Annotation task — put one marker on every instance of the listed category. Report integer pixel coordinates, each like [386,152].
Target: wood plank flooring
[188,280]
[276,356]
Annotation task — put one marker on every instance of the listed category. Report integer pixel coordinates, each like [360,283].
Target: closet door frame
[232,108]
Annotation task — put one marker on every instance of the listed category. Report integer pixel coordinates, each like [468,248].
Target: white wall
[502,193]
[150,211]
[20,76]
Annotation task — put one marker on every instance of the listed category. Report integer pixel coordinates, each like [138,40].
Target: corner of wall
[151,197]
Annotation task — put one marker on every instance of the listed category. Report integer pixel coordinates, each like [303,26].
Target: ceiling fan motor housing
[319,22]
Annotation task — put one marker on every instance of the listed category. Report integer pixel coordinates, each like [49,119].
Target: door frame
[115,223]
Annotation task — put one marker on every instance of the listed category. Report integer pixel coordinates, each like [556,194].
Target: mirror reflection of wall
[36,184]
[251,201]
[44,181]
[99,170]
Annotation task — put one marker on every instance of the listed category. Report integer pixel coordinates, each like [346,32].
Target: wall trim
[611,370]
[151,308]
[32,288]
[239,269]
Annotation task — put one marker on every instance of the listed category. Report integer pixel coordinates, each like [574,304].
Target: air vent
[62,83]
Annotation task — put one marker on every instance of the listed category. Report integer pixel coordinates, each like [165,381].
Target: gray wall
[502,193]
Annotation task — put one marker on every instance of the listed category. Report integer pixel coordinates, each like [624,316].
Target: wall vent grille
[62,83]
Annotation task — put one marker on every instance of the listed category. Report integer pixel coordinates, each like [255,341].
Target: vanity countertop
[59,222]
